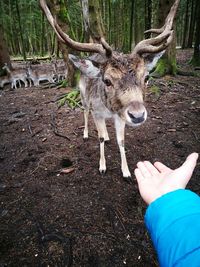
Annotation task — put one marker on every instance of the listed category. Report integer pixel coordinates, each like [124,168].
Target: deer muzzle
[135,114]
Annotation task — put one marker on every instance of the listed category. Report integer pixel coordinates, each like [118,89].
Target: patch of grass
[72,99]
[154,89]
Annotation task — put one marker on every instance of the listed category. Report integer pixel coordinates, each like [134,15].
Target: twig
[55,130]
[196,136]
[30,130]
[119,218]
[37,132]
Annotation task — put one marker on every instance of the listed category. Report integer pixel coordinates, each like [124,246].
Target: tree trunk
[196,56]
[42,36]
[58,8]
[4,55]
[20,30]
[96,24]
[148,14]
[192,25]
[167,64]
[85,11]
[185,32]
[131,25]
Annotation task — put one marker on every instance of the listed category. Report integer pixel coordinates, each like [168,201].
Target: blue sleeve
[173,222]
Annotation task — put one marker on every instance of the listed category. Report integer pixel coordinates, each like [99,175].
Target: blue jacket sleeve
[173,222]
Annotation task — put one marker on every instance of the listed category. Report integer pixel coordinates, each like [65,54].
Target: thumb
[184,172]
[191,161]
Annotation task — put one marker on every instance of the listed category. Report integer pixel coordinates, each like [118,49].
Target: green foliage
[63,83]
[154,89]
[72,99]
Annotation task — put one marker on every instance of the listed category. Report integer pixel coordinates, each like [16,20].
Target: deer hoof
[102,172]
[107,142]
[126,173]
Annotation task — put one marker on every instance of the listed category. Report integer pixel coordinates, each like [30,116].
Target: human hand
[157,180]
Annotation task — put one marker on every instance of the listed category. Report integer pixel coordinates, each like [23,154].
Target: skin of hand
[157,180]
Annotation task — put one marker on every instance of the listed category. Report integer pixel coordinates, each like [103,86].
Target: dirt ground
[56,209]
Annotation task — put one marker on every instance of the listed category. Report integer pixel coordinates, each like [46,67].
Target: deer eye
[146,79]
[107,82]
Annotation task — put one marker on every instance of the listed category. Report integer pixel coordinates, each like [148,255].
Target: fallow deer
[4,80]
[37,74]
[60,70]
[115,89]
[16,76]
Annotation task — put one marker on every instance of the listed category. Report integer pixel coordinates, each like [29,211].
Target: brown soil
[80,218]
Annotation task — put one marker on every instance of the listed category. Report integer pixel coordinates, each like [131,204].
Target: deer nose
[137,118]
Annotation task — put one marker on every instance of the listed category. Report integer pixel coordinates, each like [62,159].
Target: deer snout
[135,117]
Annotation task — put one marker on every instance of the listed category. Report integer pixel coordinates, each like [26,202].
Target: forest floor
[56,209]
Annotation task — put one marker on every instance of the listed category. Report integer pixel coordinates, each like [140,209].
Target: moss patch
[165,66]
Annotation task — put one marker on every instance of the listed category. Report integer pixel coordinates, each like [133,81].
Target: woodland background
[56,209]
[27,32]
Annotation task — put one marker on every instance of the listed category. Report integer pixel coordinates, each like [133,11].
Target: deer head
[124,76]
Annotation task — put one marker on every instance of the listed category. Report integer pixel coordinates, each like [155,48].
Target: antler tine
[85,47]
[103,48]
[154,45]
[106,47]
[168,21]
[162,41]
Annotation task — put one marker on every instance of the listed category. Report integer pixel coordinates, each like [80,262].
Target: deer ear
[85,66]
[75,60]
[152,59]
[98,59]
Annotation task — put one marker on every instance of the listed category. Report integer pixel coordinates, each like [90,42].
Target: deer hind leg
[120,128]
[13,84]
[25,82]
[100,124]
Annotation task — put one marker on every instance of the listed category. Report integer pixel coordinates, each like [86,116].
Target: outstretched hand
[157,180]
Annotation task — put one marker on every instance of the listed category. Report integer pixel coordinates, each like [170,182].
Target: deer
[38,74]
[16,76]
[60,70]
[112,84]
[4,80]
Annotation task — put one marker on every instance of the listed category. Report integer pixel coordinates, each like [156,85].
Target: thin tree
[186,20]
[4,54]
[20,30]
[196,56]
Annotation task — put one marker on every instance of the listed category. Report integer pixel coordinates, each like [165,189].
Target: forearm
[173,222]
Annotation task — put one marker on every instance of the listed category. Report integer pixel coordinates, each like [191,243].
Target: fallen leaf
[67,170]
[171,130]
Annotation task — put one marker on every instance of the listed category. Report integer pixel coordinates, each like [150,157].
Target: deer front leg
[120,128]
[86,114]
[100,124]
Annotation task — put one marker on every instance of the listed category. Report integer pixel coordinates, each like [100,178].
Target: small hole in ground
[65,162]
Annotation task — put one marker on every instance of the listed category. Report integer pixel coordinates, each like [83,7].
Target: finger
[151,168]
[138,175]
[161,167]
[144,170]
[184,172]
[190,163]
[191,160]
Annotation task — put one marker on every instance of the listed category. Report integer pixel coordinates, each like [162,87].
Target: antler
[162,41]
[103,48]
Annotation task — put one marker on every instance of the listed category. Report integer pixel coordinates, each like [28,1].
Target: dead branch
[55,130]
